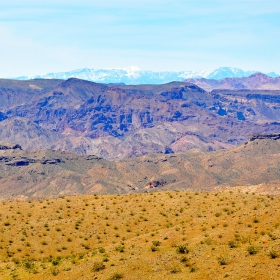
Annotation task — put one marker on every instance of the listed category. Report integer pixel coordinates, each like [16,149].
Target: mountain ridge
[256,81]
[134,75]
[120,121]
[45,173]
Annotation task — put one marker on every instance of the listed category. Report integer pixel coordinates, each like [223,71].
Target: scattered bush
[176,269]
[29,264]
[182,249]
[184,259]
[273,254]
[232,244]
[55,262]
[193,268]
[16,261]
[97,266]
[222,260]
[154,248]
[156,243]
[120,249]
[252,250]
[116,276]
[55,271]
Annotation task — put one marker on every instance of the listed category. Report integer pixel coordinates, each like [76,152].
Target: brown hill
[257,81]
[52,173]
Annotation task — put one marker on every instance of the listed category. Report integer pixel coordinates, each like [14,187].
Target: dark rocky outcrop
[155,184]
[8,146]
[274,136]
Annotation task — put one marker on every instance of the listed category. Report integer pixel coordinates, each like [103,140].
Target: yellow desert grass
[159,235]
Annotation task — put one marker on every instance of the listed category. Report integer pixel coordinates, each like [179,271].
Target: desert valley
[151,181]
[140,140]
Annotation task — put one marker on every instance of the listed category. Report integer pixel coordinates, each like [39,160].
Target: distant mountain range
[134,75]
[257,81]
[122,121]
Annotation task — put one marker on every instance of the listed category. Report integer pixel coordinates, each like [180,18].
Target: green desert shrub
[252,250]
[120,248]
[156,243]
[175,269]
[154,248]
[232,244]
[116,276]
[182,249]
[97,266]
[273,254]
[222,260]
[55,271]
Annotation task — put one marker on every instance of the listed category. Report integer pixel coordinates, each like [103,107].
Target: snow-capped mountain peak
[229,72]
[134,75]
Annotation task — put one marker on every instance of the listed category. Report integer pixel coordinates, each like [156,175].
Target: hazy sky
[38,37]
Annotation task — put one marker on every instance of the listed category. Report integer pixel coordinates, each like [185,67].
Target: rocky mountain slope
[51,173]
[119,121]
[14,92]
[257,81]
[134,75]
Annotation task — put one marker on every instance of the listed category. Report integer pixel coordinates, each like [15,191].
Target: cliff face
[97,110]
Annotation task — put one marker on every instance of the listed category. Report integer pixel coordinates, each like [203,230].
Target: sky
[38,37]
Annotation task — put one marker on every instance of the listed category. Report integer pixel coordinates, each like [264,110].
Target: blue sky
[38,37]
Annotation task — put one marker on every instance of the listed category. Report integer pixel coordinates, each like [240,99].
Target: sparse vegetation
[182,249]
[252,250]
[176,269]
[222,260]
[116,276]
[97,266]
[232,244]
[273,254]
[99,236]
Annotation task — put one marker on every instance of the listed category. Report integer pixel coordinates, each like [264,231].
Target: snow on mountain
[194,74]
[229,72]
[134,75]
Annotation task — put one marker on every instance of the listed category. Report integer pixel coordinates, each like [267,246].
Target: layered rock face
[119,121]
[100,110]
